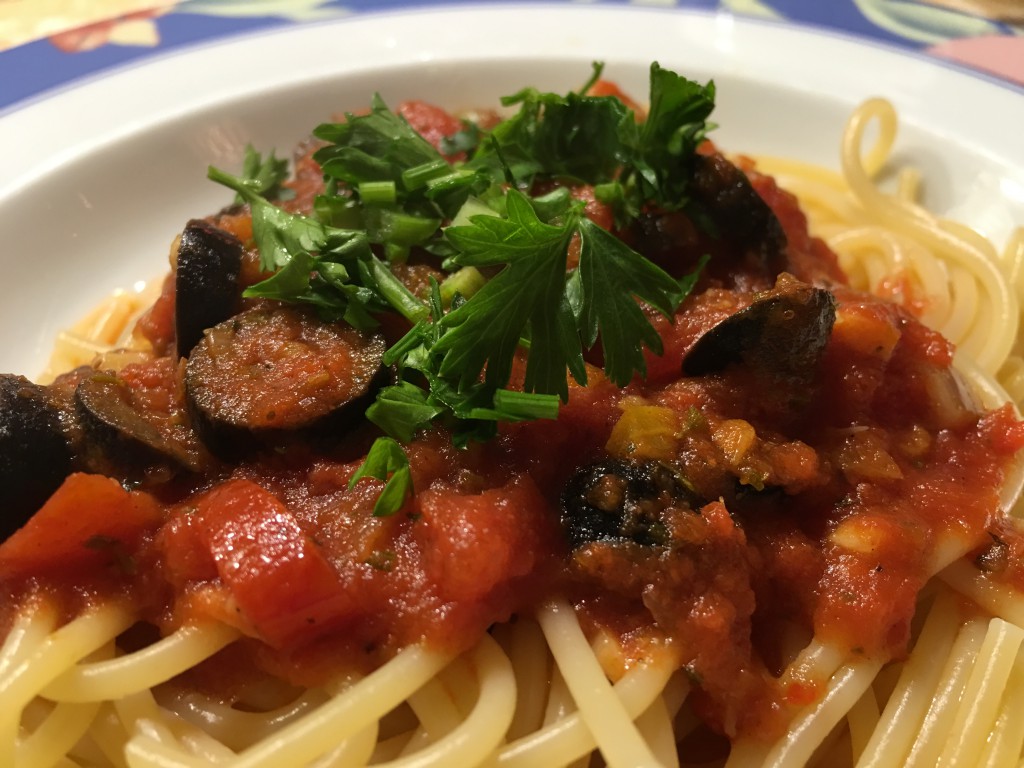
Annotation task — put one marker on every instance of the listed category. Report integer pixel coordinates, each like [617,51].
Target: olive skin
[726,201]
[34,453]
[206,282]
[782,334]
[119,435]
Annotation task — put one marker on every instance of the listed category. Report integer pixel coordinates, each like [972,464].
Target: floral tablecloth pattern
[49,44]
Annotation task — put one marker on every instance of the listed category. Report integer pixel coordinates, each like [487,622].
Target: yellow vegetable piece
[645,432]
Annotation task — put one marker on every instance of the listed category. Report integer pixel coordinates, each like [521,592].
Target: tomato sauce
[810,511]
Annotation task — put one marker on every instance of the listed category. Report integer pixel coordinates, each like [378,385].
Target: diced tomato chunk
[89,524]
[1002,430]
[185,556]
[801,694]
[281,581]
[598,212]
[473,544]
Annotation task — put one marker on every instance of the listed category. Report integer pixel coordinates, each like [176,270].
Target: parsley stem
[611,193]
[473,206]
[378,192]
[420,175]
[395,292]
[450,179]
[404,229]
[465,283]
[525,405]
[595,75]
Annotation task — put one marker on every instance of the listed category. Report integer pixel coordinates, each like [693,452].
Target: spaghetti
[582,672]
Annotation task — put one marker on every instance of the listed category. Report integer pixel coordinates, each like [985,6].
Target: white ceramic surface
[98,179]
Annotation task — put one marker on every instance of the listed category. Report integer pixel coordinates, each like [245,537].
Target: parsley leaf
[575,135]
[389,191]
[465,140]
[264,177]
[662,166]
[611,274]
[316,264]
[526,294]
[377,146]
[280,235]
[403,409]
[471,412]
[381,146]
[386,461]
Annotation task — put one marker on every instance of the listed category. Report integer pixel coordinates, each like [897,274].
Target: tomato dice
[473,544]
[90,523]
[278,577]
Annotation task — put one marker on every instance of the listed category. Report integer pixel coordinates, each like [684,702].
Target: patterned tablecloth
[49,44]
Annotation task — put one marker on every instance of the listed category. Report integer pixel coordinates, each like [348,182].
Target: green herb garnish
[387,461]
[264,177]
[514,295]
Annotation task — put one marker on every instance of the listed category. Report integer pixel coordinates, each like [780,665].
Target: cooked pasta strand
[1006,740]
[362,704]
[983,690]
[570,738]
[616,735]
[862,719]
[935,727]
[57,734]
[146,668]
[891,741]
[40,664]
[531,661]
[811,727]
[479,734]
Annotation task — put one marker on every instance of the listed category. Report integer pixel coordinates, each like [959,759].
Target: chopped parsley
[264,176]
[386,461]
[515,302]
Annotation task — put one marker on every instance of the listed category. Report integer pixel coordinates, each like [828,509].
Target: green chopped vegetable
[264,177]
[515,298]
[387,461]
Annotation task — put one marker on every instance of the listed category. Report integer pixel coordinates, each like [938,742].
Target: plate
[98,179]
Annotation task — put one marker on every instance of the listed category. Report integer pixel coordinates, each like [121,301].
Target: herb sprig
[388,191]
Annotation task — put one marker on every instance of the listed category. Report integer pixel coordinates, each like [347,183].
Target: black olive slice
[783,334]
[115,428]
[206,288]
[726,199]
[34,453]
[271,371]
[617,500]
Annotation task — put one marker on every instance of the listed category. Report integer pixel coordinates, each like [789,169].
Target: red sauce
[821,507]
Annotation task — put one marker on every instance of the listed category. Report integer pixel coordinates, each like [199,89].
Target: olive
[724,198]
[206,289]
[619,500]
[782,334]
[34,453]
[270,373]
[119,431]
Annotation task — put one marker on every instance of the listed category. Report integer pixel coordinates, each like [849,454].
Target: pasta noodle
[971,294]
[534,692]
